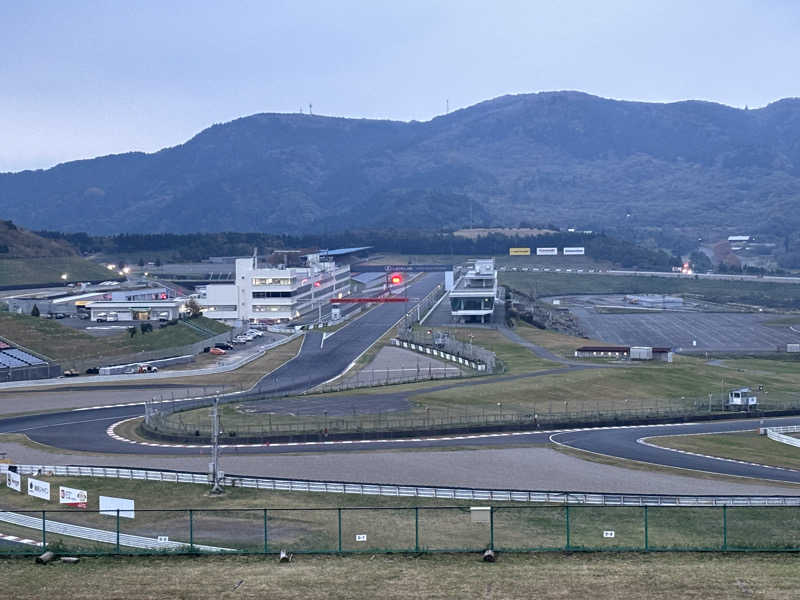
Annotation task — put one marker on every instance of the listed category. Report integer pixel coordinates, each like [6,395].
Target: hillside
[562,157]
[16,242]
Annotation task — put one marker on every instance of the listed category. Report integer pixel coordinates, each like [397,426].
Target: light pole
[215,472]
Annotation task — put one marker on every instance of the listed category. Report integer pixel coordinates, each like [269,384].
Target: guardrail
[379,489]
[776,434]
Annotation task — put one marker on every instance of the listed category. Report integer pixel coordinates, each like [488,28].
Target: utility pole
[215,472]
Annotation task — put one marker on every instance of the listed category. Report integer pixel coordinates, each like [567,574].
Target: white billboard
[546,251]
[38,489]
[14,481]
[72,497]
[575,251]
[109,506]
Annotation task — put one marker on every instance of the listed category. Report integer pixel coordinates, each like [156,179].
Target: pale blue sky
[83,78]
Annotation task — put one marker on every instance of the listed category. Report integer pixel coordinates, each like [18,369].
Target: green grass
[747,446]
[782,295]
[61,343]
[36,271]
[308,521]
[514,576]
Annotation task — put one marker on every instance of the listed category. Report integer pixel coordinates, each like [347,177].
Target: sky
[80,79]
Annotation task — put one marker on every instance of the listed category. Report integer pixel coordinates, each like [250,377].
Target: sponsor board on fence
[38,489]
[110,505]
[574,251]
[546,251]
[519,251]
[14,481]
[72,497]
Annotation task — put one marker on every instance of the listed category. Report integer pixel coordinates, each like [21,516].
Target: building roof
[618,349]
[136,303]
[344,251]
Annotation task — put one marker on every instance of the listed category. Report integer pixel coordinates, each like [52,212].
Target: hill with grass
[566,158]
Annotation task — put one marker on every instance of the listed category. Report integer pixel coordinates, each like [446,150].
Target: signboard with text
[576,251]
[38,489]
[14,481]
[519,251]
[72,497]
[546,251]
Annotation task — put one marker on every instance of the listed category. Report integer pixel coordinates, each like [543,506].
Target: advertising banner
[38,489]
[72,497]
[576,251]
[14,481]
[109,506]
[547,252]
[519,251]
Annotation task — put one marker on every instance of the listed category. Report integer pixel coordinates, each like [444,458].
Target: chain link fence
[428,528]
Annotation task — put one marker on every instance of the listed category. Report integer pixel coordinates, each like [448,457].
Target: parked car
[217,351]
[223,346]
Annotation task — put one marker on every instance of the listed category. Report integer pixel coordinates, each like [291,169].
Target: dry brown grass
[542,576]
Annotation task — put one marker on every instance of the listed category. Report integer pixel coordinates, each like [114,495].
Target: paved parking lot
[730,332]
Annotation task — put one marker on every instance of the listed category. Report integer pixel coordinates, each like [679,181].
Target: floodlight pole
[215,488]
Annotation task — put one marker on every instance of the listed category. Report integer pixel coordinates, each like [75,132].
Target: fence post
[724,526]
[646,541]
[191,530]
[339,510]
[416,529]
[266,533]
[491,528]
[566,520]
[44,530]
[117,531]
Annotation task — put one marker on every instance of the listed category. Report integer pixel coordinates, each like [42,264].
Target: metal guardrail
[448,493]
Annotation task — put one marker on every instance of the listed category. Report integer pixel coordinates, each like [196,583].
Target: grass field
[318,522]
[748,446]
[513,576]
[36,271]
[784,295]
[61,343]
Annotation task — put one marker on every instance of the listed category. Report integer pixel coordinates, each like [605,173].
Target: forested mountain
[566,158]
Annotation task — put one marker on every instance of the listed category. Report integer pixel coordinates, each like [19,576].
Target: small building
[473,297]
[741,399]
[603,352]
[142,310]
[660,354]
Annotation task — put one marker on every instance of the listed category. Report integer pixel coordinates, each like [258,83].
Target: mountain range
[566,158]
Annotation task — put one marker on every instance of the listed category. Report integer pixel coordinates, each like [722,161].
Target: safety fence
[416,528]
[777,434]
[361,418]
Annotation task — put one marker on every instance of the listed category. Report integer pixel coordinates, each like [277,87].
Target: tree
[132,331]
[141,262]
[35,311]
[158,262]
[194,309]
[146,327]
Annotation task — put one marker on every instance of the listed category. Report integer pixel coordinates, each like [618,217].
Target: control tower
[472,299]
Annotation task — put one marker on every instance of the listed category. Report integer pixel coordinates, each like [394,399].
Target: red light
[163,295]
[396,278]
[316,284]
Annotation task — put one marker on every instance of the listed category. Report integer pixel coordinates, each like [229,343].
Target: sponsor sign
[14,481]
[546,251]
[38,489]
[609,533]
[361,537]
[574,251]
[519,251]
[400,268]
[109,506]
[72,497]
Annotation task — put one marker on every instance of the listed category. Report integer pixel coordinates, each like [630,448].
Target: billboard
[519,251]
[14,481]
[38,489]
[576,251]
[72,497]
[110,505]
[546,251]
